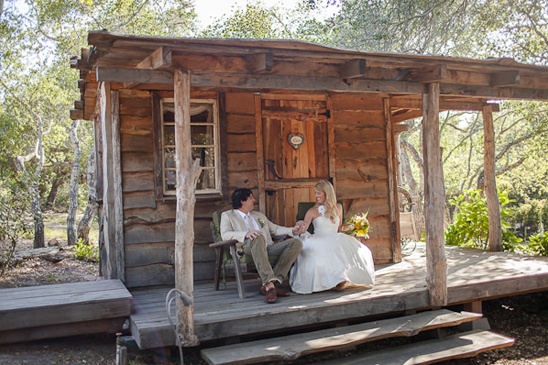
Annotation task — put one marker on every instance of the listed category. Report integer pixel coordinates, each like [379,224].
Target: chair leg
[238,272]
[218,264]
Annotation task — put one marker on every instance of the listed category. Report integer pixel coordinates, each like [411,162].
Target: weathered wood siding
[361,165]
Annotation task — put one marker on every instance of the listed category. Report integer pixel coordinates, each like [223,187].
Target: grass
[55,226]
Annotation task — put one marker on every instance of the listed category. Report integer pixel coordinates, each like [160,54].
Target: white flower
[321,209]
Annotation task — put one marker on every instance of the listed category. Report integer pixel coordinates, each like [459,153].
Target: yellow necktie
[250,226]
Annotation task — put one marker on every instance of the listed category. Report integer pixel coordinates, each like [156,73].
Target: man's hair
[238,196]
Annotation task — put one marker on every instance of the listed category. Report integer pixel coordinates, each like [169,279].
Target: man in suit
[254,232]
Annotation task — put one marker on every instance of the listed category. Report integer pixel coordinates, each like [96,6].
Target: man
[254,232]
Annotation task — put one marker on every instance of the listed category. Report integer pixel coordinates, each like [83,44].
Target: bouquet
[358,225]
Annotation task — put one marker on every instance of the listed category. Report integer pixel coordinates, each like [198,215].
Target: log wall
[149,218]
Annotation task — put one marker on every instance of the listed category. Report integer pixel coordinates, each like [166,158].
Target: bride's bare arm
[310,215]
[340,214]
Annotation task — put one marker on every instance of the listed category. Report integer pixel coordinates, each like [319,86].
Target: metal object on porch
[229,260]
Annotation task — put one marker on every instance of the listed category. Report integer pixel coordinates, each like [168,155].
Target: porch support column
[187,176]
[392,183]
[493,203]
[434,198]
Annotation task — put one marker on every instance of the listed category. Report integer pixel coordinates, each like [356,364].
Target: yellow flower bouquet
[358,225]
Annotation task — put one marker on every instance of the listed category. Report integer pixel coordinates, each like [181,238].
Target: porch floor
[473,275]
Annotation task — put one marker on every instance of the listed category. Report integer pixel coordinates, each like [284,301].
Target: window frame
[216,147]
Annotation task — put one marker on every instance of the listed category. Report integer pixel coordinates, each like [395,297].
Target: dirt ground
[524,318]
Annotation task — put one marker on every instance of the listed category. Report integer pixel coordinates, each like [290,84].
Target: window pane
[171,179]
[169,115]
[206,180]
[169,155]
[202,134]
[169,135]
[205,154]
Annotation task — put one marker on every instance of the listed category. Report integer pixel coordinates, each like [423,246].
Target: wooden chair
[226,257]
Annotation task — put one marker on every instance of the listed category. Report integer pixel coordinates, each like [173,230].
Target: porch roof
[145,62]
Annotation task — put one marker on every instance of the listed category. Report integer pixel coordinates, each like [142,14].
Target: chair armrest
[223,243]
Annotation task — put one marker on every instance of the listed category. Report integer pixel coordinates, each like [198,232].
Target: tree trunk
[87,219]
[38,218]
[73,193]
[52,196]
[493,204]
[187,177]
[434,199]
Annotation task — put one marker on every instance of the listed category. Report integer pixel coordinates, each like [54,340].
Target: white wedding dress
[328,258]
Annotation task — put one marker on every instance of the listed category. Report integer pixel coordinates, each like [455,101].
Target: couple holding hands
[328,259]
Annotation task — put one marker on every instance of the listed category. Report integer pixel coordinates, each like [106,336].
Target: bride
[329,259]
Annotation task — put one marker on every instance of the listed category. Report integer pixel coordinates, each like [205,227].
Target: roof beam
[433,74]
[159,59]
[268,81]
[352,69]
[505,78]
[262,62]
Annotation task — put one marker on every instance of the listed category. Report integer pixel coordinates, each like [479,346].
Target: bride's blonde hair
[325,187]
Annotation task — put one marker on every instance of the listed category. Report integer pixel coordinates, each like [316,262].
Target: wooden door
[295,145]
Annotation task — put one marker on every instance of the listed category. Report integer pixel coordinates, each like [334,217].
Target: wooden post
[118,198]
[434,199]
[493,203]
[392,187]
[187,176]
[108,176]
[260,153]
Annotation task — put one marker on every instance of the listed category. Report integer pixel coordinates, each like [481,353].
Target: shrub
[538,244]
[471,222]
[86,252]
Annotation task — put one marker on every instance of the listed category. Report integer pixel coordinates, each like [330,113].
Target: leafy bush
[471,222]
[538,244]
[86,252]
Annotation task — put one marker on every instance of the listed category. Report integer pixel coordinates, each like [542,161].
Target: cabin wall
[361,165]
[149,218]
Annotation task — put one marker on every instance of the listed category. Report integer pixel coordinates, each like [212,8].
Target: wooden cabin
[275,116]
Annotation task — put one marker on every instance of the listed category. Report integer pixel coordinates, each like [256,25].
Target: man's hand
[253,234]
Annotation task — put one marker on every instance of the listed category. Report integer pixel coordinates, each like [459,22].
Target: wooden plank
[153,274]
[366,169]
[139,199]
[260,154]
[160,58]
[351,134]
[458,346]
[352,69]
[436,73]
[242,143]
[236,123]
[261,62]
[356,102]
[505,78]
[331,154]
[434,196]
[246,161]
[374,149]
[110,325]
[366,118]
[240,102]
[293,347]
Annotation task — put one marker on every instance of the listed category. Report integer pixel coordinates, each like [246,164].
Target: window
[204,128]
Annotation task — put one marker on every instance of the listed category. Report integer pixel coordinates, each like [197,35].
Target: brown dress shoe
[270,296]
[279,292]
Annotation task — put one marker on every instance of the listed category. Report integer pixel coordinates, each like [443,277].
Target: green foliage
[86,252]
[471,222]
[538,244]
[14,219]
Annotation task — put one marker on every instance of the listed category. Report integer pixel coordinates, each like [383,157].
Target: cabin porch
[472,276]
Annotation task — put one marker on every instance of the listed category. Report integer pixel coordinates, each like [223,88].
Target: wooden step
[294,346]
[50,311]
[459,346]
